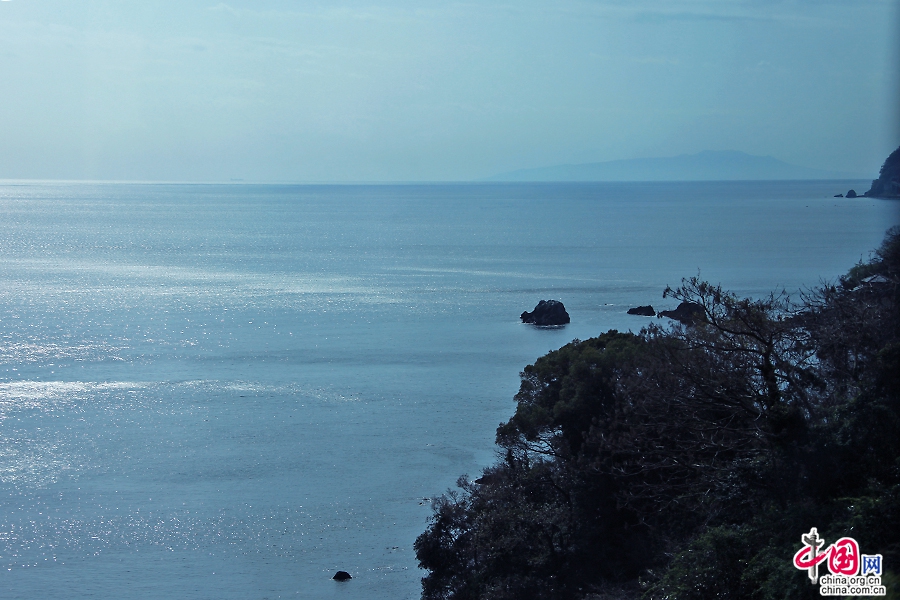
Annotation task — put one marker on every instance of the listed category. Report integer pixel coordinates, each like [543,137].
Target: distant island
[726,165]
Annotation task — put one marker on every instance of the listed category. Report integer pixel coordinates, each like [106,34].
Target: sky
[280,91]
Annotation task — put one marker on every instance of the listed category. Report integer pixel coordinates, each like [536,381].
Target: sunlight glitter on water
[231,392]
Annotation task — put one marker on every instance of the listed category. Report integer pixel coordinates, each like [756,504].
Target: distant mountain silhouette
[705,166]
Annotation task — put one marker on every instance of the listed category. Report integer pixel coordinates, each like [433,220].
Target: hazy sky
[273,90]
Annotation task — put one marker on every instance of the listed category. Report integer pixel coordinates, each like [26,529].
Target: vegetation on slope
[686,462]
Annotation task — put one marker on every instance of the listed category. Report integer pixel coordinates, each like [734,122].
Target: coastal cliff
[888,183]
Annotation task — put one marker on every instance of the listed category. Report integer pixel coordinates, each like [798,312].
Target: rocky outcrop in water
[642,311]
[888,183]
[687,313]
[547,312]
[342,576]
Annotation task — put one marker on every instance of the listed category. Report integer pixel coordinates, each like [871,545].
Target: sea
[234,391]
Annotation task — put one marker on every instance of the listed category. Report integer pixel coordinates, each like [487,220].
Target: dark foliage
[685,462]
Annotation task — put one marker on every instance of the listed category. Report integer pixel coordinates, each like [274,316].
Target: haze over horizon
[273,91]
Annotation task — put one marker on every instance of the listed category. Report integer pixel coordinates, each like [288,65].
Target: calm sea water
[235,391]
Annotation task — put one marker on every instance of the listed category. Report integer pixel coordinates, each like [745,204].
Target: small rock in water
[838,195]
[547,312]
[642,311]
[851,194]
[342,576]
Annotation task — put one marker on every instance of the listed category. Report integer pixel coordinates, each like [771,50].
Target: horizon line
[30,181]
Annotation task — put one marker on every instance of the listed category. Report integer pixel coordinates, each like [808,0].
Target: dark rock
[687,313]
[342,576]
[851,194]
[888,183]
[642,311]
[547,312]
[838,195]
